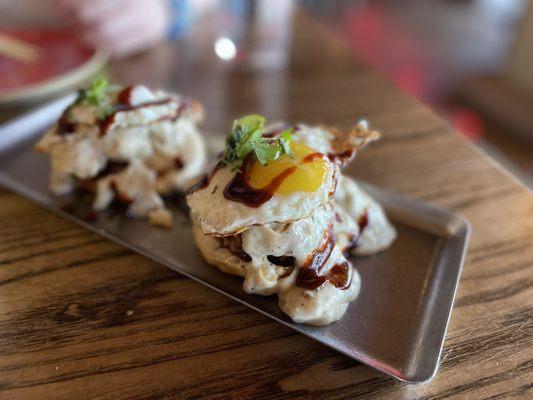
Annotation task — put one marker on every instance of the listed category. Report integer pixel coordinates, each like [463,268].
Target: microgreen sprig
[95,93]
[246,138]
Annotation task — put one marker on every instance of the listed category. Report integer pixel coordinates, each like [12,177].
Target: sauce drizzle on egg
[312,157]
[206,180]
[240,190]
[255,184]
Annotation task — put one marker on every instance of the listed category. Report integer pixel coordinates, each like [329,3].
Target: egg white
[295,225]
[220,216]
[340,146]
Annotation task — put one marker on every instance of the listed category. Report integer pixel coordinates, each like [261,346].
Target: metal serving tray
[396,325]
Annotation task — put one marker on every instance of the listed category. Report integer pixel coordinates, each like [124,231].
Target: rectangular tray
[396,325]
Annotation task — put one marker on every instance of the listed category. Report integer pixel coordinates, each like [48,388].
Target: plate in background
[63,63]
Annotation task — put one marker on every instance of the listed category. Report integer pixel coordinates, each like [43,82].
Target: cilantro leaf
[284,140]
[95,93]
[247,138]
[286,134]
[264,152]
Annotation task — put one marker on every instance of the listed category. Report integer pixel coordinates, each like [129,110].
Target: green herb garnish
[103,111]
[246,138]
[95,93]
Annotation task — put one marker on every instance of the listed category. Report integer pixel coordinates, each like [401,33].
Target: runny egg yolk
[308,176]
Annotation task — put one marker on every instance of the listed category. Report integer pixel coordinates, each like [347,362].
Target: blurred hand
[121,27]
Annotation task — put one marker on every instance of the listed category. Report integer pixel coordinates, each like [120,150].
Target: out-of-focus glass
[254,34]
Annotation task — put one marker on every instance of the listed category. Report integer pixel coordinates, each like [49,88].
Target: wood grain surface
[83,318]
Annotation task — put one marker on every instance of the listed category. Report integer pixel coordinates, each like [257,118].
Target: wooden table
[81,317]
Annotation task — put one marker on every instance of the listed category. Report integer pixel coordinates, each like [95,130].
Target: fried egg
[340,146]
[296,186]
[285,227]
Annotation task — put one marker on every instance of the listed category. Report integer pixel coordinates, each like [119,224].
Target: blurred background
[471,61]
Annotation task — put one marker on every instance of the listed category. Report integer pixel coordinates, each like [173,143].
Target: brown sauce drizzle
[121,197]
[106,123]
[343,157]
[182,108]
[239,190]
[124,104]
[124,97]
[354,240]
[312,157]
[204,182]
[287,264]
[339,275]
[112,167]
[178,164]
[282,261]
[363,221]
[234,246]
[64,126]
[309,276]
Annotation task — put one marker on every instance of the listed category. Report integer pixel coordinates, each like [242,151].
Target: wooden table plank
[81,317]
